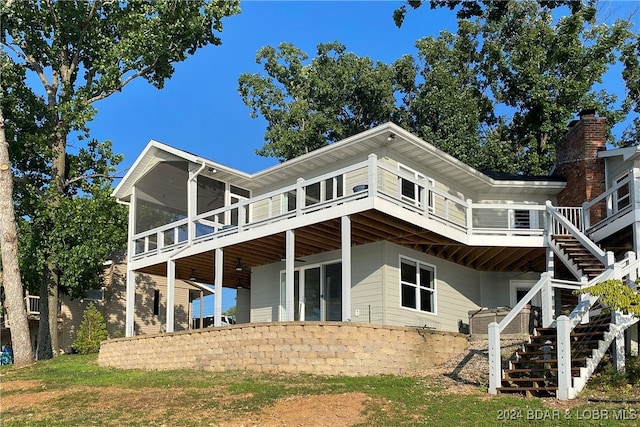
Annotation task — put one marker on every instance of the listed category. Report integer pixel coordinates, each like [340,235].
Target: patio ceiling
[366,227]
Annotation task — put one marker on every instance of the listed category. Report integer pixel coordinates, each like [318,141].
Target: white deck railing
[366,179]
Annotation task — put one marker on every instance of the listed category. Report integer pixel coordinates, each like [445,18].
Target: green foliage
[497,95]
[616,295]
[80,53]
[309,104]
[92,331]
[231,311]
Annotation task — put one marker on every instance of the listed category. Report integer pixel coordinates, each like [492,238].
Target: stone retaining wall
[326,348]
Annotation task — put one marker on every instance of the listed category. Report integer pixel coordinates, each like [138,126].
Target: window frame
[420,265]
[417,188]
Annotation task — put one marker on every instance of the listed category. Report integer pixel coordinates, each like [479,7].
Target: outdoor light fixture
[391,136]
[239,265]
[193,275]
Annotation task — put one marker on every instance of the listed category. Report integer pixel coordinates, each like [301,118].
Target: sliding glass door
[317,293]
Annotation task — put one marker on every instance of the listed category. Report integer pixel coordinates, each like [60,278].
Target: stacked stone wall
[325,348]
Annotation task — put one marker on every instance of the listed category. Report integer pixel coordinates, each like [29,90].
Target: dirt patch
[318,410]
[6,386]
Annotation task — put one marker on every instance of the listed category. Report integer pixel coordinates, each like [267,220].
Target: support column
[289,275]
[218,277]
[130,303]
[171,291]
[346,268]
[129,321]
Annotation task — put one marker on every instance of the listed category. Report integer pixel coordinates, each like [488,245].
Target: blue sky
[200,110]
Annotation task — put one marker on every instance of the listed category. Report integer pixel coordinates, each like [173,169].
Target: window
[417,286]
[410,190]
[156,302]
[95,295]
[622,199]
[333,187]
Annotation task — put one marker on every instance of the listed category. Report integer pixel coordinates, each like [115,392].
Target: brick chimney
[577,161]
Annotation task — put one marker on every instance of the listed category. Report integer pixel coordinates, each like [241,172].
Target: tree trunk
[44,350]
[48,334]
[11,280]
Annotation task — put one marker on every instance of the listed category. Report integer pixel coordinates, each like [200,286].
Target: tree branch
[93,175]
[128,80]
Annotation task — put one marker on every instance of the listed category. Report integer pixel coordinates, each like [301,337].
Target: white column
[372,175]
[618,343]
[218,277]
[289,278]
[346,268]
[130,302]
[495,362]
[546,294]
[129,321]
[564,358]
[171,291]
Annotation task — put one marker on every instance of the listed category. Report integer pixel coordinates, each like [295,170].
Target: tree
[539,69]
[497,94]
[81,53]
[309,104]
[10,268]
[616,296]
[92,331]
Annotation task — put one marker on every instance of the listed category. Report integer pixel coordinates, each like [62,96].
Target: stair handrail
[628,267]
[494,330]
[556,216]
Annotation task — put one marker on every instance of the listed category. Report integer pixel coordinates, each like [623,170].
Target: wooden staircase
[534,369]
[581,258]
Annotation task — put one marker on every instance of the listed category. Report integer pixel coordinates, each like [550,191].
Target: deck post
[300,196]
[564,358]
[218,277]
[129,322]
[618,343]
[289,275]
[495,362]
[171,291]
[372,175]
[346,268]
[546,294]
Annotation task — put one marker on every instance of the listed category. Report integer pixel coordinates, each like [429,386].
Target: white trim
[301,295]
[417,285]
[522,284]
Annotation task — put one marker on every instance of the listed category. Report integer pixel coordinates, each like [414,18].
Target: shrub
[93,330]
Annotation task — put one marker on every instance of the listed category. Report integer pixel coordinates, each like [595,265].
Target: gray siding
[458,290]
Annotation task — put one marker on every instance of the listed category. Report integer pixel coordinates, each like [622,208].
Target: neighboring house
[150,307]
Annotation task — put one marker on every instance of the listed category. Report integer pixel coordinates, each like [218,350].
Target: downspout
[192,191]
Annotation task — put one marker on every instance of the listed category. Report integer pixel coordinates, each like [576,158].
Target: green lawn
[72,391]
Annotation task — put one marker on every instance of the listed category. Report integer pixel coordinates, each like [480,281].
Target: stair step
[526,389]
[531,370]
[574,361]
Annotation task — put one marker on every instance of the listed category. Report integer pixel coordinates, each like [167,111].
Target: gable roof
[402,142]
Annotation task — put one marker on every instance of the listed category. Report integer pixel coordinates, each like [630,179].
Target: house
[150,308]
[384,228]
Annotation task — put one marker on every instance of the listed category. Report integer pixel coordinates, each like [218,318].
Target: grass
[73,390]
